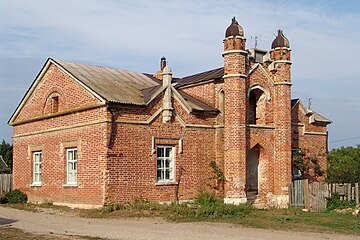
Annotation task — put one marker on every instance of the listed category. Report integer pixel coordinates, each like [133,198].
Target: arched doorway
[252,170]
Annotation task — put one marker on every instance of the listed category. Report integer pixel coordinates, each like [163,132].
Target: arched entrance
[252,170]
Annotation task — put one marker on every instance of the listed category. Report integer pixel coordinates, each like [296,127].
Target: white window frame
[37,162]
[71,166]
[161,168]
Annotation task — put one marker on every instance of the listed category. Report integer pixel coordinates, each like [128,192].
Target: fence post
[306,193]
[348,191]
[357,193]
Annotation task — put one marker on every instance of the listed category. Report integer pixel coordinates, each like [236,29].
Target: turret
[280,68]
[235,85]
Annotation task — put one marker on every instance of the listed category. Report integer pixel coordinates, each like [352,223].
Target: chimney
[162,63]
[159,74]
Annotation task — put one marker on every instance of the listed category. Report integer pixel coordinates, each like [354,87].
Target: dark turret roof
[234,29]
[280,40]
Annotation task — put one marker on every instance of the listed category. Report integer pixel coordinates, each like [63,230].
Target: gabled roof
[113,85]
[201,77]
[3,166]
[316,117]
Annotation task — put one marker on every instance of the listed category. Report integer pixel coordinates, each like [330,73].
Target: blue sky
[324,36]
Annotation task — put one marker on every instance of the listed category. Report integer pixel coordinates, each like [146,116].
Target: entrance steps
[252,198]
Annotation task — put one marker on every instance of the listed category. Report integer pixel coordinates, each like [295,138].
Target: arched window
[257,107]
[53,103]
[222,106]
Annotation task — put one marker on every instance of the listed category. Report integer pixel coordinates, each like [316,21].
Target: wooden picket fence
[312,196]
[5,183]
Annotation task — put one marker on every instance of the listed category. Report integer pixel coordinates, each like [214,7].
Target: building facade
[88,136]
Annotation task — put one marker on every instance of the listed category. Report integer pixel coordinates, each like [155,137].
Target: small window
[55,104]
[71,166]
[37,159]
[165,163]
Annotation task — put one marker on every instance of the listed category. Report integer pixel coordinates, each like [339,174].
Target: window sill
[166,183]
[35,185]
[74,185]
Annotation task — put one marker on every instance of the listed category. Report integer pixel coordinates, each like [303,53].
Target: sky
[324,37]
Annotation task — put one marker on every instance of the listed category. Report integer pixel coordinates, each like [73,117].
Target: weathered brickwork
[247,126]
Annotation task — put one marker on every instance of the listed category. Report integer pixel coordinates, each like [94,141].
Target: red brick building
[88,136]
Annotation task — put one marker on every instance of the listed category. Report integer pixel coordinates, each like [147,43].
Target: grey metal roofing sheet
[120,86]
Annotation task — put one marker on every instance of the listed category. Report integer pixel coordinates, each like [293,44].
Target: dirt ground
[143,228]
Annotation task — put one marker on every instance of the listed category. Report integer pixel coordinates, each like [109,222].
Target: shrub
[207,206]
[16,196]
[334,202]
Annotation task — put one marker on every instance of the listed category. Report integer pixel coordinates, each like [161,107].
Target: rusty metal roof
[234,29]
[119,86]
[201,77]
[280,40]
[196,104]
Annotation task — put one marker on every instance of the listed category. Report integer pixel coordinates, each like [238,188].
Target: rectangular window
[37,159]
[71,166]
[165,163]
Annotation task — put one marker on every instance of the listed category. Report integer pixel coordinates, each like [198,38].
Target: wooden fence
[312,196]
[5,183]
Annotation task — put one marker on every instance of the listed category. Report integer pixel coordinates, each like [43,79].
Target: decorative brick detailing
[250,139]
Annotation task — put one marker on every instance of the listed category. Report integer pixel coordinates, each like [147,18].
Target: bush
[16,196]
[207,206]
[334,203]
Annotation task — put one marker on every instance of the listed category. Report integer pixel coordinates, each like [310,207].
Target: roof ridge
[93,65]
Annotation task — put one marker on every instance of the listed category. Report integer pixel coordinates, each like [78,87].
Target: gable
[259,75]
[301,114]
[53,82]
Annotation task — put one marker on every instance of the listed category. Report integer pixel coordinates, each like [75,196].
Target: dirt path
[146,228]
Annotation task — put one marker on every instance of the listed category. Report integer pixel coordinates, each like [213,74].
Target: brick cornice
[57,114]
[235,75]
[234,51]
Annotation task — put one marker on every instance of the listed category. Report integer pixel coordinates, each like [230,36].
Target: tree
[6,153]
[308,165]
[344,165]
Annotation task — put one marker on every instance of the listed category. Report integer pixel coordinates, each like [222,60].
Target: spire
[234,29]
[280,40]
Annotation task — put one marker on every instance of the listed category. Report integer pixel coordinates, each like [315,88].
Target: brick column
[235,137]
[282,121]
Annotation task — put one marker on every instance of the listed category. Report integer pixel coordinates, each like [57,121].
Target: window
[257,107]
[55,104]
[165,163]
[37,159]
[71,166]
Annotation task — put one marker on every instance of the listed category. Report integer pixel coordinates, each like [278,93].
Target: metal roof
[200,77]
[119,86]
[127,87]
[196,104]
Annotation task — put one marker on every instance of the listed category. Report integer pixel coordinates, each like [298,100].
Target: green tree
[6,153]
[344,165]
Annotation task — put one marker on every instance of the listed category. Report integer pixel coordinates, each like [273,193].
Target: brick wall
[86,130]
